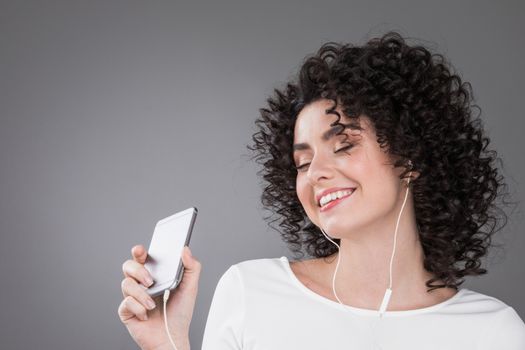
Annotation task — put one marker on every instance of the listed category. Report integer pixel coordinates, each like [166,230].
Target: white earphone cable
[165,301]
[388,292]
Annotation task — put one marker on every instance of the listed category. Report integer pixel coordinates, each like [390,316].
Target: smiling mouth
[333,203]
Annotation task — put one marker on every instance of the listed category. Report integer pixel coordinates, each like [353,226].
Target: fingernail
[149,281]
[189,252]
[145,317]
[151,304]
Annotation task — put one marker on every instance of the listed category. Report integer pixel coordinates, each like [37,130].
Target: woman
[377,169]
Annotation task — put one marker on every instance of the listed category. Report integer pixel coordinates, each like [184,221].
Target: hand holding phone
[144,323]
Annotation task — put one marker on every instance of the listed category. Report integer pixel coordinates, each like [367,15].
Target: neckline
[360,311]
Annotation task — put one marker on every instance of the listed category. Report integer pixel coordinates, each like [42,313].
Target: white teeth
[332,196]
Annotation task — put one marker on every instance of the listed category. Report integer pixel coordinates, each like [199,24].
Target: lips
[335,202]
[330,190]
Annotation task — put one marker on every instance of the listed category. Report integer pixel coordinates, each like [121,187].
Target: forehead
[313,121]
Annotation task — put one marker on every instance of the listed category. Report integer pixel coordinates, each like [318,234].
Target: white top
[261,305]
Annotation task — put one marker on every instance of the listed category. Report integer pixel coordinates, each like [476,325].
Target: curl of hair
[421,111]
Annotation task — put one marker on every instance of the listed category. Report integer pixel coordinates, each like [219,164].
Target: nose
[320,168]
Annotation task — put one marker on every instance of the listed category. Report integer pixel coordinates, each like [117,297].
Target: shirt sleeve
[224,326]
[507,332]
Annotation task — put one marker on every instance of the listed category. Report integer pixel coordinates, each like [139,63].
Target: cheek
[306,199]
[301,189]
[382,190]
[304,193]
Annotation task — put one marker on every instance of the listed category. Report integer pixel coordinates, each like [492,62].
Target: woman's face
[362,175]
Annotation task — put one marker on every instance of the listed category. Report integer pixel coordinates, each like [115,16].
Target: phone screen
[164,261]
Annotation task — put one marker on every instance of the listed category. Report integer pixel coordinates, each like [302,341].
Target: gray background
[115,114]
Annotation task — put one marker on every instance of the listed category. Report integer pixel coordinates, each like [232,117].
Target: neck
[364,268]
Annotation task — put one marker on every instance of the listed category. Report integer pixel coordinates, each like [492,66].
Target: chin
[338,227]
[339,230]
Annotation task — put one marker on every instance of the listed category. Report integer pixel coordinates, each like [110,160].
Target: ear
[414,174]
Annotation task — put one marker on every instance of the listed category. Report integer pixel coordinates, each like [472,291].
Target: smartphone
[164,261]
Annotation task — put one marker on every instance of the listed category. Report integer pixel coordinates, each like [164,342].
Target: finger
[130,288]
[135,270]
[189,261]
[192,269]
[129,308]
[139,253]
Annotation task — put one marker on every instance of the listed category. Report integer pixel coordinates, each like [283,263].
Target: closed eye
[337,151]
[344,148]
[301,166]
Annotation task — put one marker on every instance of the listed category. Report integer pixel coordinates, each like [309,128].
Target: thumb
[192,266]
[192,269]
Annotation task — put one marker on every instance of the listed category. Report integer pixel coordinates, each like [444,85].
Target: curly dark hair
[422,112]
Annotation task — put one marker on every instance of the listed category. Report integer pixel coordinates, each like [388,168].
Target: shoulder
[255,269]
[507,330]
[263,268]
[502,326]
[256,276]
[258,263]
[480,303]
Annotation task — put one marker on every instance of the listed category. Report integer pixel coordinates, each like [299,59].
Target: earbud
[410,166]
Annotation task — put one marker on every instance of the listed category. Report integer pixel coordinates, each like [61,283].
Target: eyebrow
[334,130]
